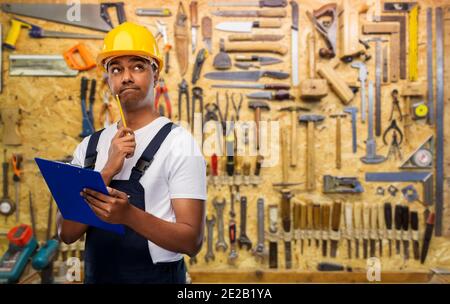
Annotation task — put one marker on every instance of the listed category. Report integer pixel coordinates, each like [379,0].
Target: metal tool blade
[89,14]
[324,248]
[56,34]
[194,39]
[416,250]
[406,249]
[242,75]
[294,57]
[372,248]
[245,3]
[357,248]
[39,65]
[260,95]
[238,27]
[365,249]
[349,249]
[333,250]
[263,60]
[239,86]
[235,13]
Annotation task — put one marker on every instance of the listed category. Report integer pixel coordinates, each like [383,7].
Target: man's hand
[113,208]
[122,146]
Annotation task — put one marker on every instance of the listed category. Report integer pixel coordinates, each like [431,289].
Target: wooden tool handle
[194,13]
[374,217]
[316,216]
[309,217]
[293,144]
[275,12]
[381,224]
[206,28]
[312,54]
[286,210]
[348,214]
[268,23]
[357,215]
[303,215]
[255,47]
[366,216]
[336,215]
[297,214]
[325,222]
[285,158]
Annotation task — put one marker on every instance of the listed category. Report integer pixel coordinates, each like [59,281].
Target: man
[155,173]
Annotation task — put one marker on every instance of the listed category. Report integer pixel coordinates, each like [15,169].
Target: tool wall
[323,192]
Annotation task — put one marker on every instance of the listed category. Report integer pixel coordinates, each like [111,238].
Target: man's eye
[115,70]
[139,67]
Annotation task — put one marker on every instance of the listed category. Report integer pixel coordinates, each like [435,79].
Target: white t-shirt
[177,171]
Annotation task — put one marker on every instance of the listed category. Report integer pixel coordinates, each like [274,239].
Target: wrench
[219,206]
[232,198]
[260,251]
[362,78]
[243,240]
[210,227]
[232,232]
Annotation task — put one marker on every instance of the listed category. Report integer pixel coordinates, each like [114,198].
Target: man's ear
[155,78]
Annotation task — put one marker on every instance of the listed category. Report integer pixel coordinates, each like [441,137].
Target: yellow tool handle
[348,213]
[14,32]
[381,223]
[374,217]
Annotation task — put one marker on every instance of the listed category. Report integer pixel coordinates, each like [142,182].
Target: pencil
[121,111]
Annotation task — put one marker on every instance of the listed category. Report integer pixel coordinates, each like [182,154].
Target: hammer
[293,110]
[338,139]
[258,106]
[310,120]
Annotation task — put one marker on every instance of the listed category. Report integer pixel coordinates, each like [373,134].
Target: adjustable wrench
[243,240]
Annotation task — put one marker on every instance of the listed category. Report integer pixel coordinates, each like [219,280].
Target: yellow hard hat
[129,39]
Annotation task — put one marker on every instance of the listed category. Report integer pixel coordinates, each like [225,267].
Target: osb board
[51,123]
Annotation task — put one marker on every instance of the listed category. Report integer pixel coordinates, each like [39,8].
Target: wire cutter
[162,89]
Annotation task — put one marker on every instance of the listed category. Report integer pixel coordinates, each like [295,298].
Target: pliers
[183,90]
[394,127]
[237,108]
[162,89]
[197,93]
[395,105]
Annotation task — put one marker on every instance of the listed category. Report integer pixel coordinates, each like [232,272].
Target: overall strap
[146,158]
[91,151]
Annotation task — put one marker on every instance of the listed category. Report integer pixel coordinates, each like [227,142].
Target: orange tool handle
[85,55]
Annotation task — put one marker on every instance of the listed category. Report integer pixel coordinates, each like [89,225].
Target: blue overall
[126,259]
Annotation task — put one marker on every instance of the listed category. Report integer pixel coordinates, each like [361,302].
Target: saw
[91,16]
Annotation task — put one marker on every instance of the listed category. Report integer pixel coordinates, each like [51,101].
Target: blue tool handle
[45,255]
[36,32]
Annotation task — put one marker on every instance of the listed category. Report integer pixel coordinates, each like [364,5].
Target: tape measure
[420,110]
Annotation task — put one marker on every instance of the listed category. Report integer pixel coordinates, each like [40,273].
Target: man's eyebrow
[114,61]
[135,59]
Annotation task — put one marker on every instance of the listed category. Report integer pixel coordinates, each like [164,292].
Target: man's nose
[127,76]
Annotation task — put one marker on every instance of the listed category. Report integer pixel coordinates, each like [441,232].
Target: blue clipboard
[65,182]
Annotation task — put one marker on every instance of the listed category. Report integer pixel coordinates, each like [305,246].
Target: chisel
[325,223]
[316,223]
[335,224]
[388,222]
[405,231]
[260,3]
[381,228]
[296,220]
[348,213]
[366,227]
[373,228]
[427,237]
[303,215]
[357,215]
[398,227]
[414,218]
[309,222]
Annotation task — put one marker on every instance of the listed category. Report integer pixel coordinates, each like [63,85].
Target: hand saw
[92,16]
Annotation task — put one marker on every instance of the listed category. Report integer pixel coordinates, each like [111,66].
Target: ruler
[430,102]
[439,203]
